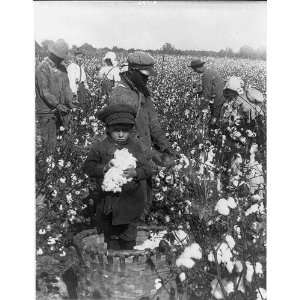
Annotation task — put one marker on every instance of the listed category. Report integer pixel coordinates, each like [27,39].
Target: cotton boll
[196,251]
[229,287]
[229,266]
[231,203]
[252,209]
[114,178]
[39,251]
[182,276]
[216,288]
[61,162]
[218,293]
[184,261]
[42,231]
[224,253]
[51,241]
[256,197]
[261,294]
[211,257]
[230,241]
[124,160]
[184,161]
[210,156]
[261,208]
[157,284]
[259,268]
[241,286]
[222,207]
[250,271]
[62,179]
[63,291]
[192,251]
[239,266]
[69,198]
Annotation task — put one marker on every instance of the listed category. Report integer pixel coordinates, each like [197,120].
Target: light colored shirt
[76,77]
[112,73]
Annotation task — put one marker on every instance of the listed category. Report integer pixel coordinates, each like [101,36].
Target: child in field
[119,166]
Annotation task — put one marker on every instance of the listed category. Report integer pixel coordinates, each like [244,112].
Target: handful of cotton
[114,178]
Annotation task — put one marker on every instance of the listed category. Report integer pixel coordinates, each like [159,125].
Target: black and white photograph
[150,150]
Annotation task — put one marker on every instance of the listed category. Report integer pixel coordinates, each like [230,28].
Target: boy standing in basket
[118,210]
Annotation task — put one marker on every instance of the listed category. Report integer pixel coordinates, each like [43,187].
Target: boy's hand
[130,173]
[109,165]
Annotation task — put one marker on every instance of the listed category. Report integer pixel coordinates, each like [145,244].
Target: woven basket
[122,275]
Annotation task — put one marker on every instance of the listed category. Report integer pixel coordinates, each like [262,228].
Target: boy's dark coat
[127,205]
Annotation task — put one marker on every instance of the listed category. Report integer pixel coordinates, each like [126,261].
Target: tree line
[167,48]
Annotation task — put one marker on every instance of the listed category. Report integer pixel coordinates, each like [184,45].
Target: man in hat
[117,212]
[132,90]
[109,74]
[53,94]
[211,89]
[77,78]
[243,108]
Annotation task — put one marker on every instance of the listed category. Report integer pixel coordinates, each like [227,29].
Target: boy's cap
[117,114]
[143,62]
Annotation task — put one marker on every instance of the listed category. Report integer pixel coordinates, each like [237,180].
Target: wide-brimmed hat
[111,56]
[235,84]
[197,63]
[117,114]
[60,48]
[142,61]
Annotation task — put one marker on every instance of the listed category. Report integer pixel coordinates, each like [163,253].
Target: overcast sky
[189,25]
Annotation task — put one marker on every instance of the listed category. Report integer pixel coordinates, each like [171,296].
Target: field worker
[133,91]
[243,105]
[211,88]
[109,74]
[53,94]
[118,212]
[77,78]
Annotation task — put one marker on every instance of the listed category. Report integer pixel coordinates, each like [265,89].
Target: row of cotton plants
[212,202]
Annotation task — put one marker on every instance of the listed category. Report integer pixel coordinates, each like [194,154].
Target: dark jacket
[52,87]
[148,128]
[129,203]
[213,86]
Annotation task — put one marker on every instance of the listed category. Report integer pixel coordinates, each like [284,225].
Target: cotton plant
[114,178]
[171,191]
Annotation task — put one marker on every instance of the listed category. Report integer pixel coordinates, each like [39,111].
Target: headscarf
[58,62]
[137,79]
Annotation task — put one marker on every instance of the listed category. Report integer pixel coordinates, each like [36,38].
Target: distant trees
[248,52]
[167,48]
